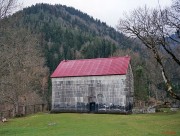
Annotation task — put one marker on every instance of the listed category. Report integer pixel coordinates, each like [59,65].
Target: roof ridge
[98,58]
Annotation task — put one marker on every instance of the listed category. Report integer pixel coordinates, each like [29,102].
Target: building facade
[103,85]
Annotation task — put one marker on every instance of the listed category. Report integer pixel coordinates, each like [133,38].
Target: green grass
[69,124]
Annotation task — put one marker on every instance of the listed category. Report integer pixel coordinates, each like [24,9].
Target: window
[100,98]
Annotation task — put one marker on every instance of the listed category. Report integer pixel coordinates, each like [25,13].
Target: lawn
[69,124]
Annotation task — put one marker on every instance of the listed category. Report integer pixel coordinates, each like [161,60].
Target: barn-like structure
[102,85]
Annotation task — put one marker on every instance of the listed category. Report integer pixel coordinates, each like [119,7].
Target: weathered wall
[93,93]
[130,86]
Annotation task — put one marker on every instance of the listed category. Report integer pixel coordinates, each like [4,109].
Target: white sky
[108,11]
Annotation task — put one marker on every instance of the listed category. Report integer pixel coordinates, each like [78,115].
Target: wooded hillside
[33,42]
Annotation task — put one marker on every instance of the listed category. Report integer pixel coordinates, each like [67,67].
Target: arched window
[100,98]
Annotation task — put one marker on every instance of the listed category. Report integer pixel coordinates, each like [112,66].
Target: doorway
[92,106]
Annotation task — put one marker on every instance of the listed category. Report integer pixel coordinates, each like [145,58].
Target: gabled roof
[92,67]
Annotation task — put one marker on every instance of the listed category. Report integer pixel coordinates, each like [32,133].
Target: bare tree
[7,7]
[151,27]
[22,66]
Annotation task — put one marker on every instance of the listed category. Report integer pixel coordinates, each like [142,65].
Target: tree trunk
[169,87]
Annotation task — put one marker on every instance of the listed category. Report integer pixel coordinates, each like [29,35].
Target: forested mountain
[33,42]
[67,33]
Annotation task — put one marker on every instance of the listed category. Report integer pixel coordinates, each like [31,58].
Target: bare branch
[7,7]
[153,28]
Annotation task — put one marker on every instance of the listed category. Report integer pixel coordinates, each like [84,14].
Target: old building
[102,85]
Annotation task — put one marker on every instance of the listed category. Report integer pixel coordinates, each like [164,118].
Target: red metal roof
[92,67]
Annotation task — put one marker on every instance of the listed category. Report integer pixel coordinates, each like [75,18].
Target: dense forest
[34,40]
[67,33]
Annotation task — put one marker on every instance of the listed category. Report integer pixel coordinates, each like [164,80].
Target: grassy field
[69,124]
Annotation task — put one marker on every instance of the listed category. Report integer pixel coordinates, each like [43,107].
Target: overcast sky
[108,11]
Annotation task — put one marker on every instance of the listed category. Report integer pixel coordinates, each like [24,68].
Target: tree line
[34,40]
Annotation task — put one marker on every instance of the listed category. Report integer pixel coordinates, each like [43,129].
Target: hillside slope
[40,36]
[66,33]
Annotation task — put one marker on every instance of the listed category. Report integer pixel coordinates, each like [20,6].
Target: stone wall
[93,93]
